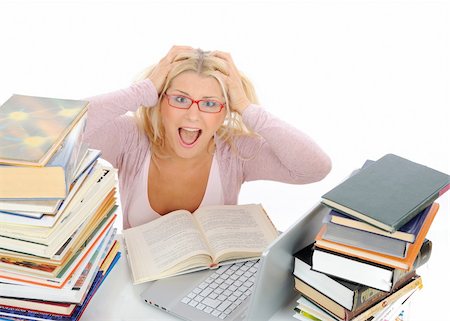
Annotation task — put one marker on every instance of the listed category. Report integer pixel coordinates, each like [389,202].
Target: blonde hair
[205,64]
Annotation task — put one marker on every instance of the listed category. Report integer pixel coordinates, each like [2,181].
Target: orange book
[406,263]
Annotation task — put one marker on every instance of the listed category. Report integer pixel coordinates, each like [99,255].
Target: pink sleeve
[282,153]
[108,128]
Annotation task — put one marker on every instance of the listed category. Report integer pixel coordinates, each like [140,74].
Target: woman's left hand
[237,96]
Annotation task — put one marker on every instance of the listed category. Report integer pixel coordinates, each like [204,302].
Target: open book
[181,242]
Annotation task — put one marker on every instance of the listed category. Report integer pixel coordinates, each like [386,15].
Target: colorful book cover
[31,128]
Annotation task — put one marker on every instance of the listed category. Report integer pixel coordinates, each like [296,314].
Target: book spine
[380,295]
[364,294]
[415,283]
[423,256]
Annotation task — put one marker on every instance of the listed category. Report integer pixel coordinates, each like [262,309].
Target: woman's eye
[180,99]
[209,103]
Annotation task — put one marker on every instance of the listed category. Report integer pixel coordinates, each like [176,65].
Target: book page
[156,246]
[245,230]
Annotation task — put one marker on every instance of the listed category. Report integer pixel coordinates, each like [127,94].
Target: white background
[363,78]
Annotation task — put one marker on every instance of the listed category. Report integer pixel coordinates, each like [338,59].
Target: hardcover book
[360,271]
[389,192]
[181,242]
[49,182]
[405,263]
[350,295]
[33,127]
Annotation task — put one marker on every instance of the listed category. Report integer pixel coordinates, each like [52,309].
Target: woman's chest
[171,189]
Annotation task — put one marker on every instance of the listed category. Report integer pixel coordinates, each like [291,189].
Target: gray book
[389,192]
[365,240]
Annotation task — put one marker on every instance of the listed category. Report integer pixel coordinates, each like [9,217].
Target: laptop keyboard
[223,291]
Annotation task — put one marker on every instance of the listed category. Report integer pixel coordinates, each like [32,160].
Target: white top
[140,210]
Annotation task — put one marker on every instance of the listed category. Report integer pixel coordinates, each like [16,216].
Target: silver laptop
[251,290]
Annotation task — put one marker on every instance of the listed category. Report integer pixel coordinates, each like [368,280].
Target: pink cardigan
[281,153]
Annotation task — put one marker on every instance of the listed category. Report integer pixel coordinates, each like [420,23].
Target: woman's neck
[169,157]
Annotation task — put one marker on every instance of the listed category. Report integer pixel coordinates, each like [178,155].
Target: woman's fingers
[161,70]
[238,98]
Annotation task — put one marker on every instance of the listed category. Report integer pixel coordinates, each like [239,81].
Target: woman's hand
[238,98]
[159,73]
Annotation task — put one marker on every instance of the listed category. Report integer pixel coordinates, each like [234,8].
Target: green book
[388,193]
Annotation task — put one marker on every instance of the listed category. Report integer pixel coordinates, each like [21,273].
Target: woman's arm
[282,153]
[107,127]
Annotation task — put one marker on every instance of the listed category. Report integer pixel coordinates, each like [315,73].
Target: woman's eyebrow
[183,92]
[187,94]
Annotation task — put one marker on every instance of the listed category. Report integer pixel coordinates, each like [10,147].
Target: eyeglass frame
[193,101]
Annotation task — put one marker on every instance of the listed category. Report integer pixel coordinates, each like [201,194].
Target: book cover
[33,127]
[405,263]
[49,182]
[389,192]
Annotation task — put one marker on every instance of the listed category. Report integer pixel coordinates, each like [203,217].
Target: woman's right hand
[159,73]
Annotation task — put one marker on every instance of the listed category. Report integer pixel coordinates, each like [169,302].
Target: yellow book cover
[32,128]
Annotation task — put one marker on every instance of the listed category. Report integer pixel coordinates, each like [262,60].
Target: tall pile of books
[363,262]
[57,208]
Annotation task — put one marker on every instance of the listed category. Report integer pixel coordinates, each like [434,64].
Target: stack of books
[363,262]
[57,208]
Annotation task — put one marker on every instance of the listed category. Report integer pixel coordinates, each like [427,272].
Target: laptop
[251,290]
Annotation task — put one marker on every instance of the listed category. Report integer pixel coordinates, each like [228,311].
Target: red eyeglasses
[204,105]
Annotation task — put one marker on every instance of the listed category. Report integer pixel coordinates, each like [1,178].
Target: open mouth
[189,136]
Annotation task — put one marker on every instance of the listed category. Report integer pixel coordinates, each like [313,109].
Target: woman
[197,136]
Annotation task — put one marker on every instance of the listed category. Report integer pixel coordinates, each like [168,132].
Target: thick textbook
[389,192]
[33,127]
[405,263]
[180,242]
[51,181]
[374,275]
[347,294]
